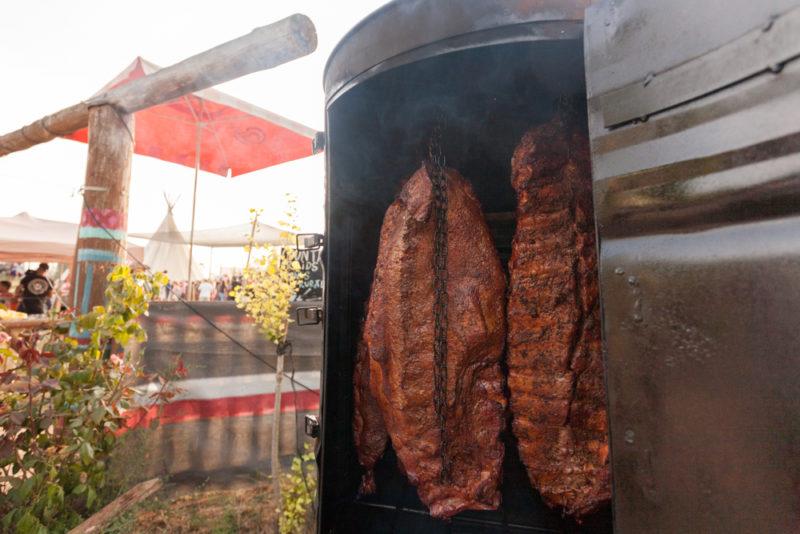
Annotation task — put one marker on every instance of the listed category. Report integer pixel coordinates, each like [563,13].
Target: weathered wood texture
[263,48]
[63,122]
[130,498]
[103,227]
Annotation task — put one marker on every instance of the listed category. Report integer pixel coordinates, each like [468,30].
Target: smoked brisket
[397,346]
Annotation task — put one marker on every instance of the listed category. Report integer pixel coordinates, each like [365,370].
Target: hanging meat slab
[368,428]
[453,456]
[555,368]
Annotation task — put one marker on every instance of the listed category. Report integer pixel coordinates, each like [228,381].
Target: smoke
[482,99]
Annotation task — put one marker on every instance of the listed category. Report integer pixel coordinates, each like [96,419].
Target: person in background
[34,291]
[222,288]
[166,290]
[179,289]
[7,298]
[204,290]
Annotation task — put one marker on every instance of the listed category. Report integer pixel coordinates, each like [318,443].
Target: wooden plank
[263,48]
[127,500]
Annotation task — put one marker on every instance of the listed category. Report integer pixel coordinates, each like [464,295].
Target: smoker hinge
[318,143]
[309,241]
[312,426]
[309,315]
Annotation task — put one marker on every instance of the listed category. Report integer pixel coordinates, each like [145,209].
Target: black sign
[311,265]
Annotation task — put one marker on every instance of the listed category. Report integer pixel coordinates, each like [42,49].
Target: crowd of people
[32,292]
[207,289]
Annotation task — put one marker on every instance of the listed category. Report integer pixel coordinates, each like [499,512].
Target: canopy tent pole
[198,131]
[104,220]
[252,239]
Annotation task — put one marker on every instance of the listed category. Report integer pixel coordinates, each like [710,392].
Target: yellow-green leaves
[298,489]
[62,405]
[270,283]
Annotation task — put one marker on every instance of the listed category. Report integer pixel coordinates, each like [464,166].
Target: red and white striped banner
[229,396]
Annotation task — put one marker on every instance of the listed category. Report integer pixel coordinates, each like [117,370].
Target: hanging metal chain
[436,171]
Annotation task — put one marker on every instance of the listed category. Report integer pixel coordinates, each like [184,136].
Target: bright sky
[55,53]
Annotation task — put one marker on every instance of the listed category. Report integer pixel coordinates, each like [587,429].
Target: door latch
[309,241]
[312,426]
[309,315]
[318,143]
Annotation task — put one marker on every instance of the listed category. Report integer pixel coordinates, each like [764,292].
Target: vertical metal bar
[250,241]
[189,292]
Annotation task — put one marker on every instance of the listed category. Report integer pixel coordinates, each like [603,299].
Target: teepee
[172,257]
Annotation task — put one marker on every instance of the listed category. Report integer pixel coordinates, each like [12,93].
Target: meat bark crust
[398,341]
[555,367]
[368,428]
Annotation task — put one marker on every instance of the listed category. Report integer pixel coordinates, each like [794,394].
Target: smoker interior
[483,99]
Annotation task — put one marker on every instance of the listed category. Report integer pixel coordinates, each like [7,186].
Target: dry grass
[207,510]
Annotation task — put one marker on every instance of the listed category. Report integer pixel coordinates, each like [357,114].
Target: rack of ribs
[555,367]
[395,369]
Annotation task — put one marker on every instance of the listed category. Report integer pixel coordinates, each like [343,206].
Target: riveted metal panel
[698,212]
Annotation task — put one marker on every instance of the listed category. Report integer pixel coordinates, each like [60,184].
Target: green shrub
[298,488]
[62,406]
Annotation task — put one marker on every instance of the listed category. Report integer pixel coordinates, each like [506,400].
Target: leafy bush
[298,488]
[266,294]
[63,405]
[271,283]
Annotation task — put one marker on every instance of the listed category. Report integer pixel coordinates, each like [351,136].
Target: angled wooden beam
[261,49]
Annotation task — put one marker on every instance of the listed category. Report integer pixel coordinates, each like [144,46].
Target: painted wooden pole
[104,219]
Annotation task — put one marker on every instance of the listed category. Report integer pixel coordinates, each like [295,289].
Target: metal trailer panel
[698,218]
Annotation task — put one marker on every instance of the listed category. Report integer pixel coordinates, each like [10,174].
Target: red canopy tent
[212,131]
[233,134]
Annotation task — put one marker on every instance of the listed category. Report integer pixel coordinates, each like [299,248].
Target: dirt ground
[244,506]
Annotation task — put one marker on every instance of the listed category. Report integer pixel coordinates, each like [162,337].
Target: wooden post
[104,218]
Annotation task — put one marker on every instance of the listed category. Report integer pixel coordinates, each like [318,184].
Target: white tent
[26,238]
[171,256]
[228,236]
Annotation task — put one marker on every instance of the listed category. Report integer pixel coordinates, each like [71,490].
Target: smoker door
[694,117]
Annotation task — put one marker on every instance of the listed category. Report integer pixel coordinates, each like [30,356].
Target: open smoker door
[694,117]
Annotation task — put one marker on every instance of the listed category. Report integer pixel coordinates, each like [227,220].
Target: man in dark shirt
[34,291]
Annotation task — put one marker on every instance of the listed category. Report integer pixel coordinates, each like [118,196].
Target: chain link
[435,167]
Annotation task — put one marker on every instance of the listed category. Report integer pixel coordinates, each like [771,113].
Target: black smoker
[694,201]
